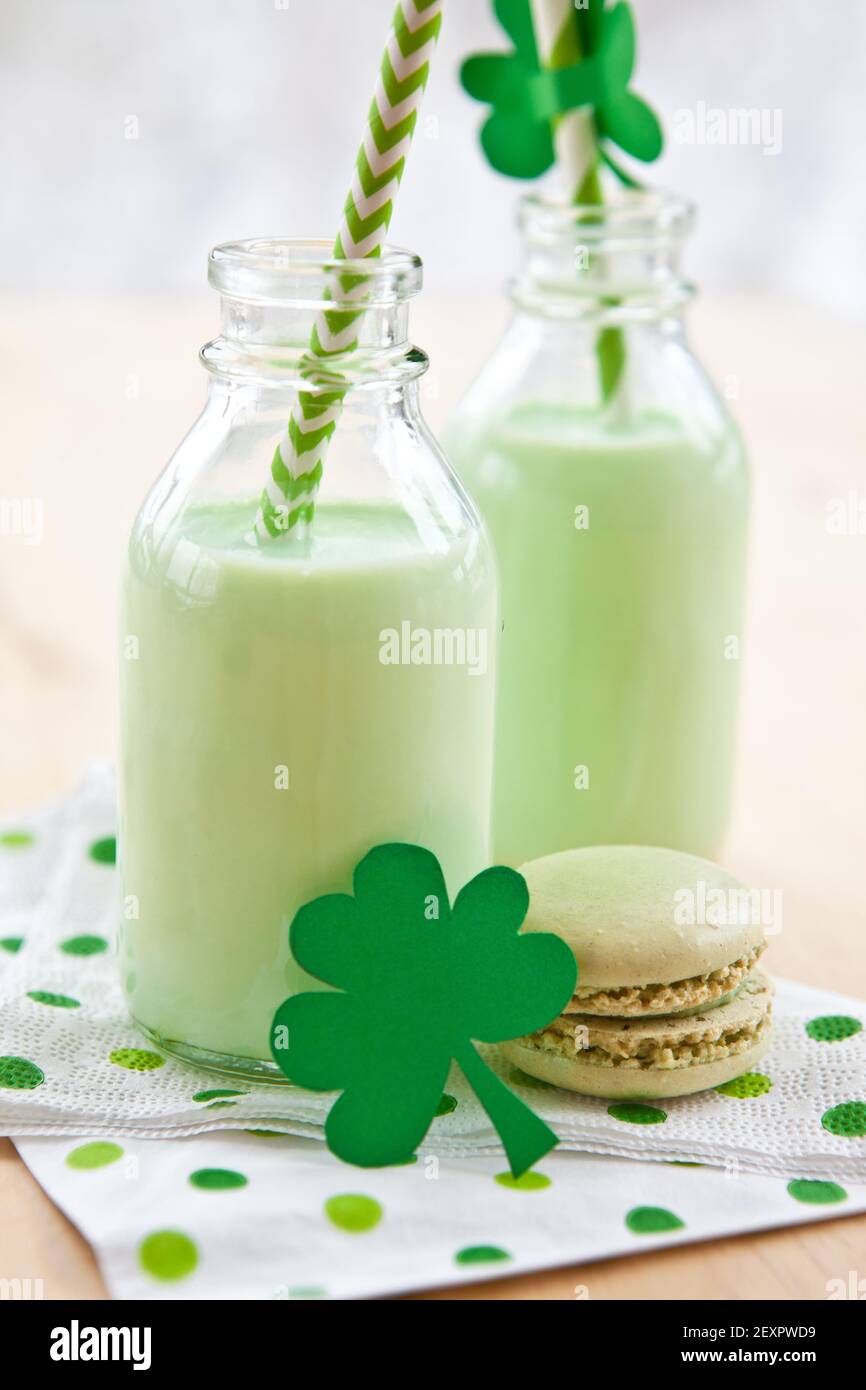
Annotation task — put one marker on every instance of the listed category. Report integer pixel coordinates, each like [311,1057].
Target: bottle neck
[292,317]
[613,265]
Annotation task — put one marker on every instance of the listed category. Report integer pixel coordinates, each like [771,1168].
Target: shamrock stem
[526,1137]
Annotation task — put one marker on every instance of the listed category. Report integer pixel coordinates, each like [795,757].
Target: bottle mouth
[306,274]
[642,220]
[613,263]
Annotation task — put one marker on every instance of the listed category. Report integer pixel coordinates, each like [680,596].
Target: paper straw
[558,40]
[296,468]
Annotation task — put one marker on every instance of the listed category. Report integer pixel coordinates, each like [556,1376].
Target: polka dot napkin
[71,1063]
[267,1216]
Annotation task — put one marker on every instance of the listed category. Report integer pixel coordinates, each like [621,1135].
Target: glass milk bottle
[288,705]
[619,526]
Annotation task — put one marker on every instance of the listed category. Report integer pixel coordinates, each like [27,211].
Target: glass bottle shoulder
[388,499]
[538,397]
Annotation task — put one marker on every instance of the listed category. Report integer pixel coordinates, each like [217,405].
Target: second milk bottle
[615,487]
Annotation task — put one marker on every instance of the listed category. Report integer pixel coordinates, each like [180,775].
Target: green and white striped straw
[558,40]
[557,34]
[296,468]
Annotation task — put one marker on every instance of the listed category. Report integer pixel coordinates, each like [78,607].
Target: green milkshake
[615,487]
[284,710]
[621,549]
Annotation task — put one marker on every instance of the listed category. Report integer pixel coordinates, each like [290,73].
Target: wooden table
[97,393]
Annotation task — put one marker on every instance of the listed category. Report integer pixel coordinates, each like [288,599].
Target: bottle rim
[611,264]
[305,272]
[638,219]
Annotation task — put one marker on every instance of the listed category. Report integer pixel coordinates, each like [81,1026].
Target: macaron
[669,1000]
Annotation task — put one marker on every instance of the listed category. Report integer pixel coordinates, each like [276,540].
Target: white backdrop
[247,114]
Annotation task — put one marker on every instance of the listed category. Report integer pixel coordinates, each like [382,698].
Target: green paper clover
[528,98]
[418,981]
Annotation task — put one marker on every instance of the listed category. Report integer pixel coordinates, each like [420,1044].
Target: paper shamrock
[527,97]
[418,980]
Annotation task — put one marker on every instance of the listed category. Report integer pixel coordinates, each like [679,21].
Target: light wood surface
[97,393]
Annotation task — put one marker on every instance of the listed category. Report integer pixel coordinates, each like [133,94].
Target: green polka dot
[16,839]
[848,1121]
[353,1213]
[648,1221]
[307,1293]
[746,1087]
[217,1179]
[266,1133]
[104,851]
[167,1255]
[84,945]
[447,1105]
[833,1027]
[221,1105]
[684,1163]
[203,1096]
[12,944]
[56,1001]
[633,1113]
[481,1255]
[821,1193]
[534,1083]
[136,1059]
[20,1074]
[527,1182]
[96,1155]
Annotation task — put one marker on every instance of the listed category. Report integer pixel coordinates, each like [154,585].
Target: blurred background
[134,134]
[137,133]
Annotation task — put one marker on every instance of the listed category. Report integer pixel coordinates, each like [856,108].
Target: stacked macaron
[668,999]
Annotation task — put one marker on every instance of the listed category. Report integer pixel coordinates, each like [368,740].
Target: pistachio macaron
[668,998]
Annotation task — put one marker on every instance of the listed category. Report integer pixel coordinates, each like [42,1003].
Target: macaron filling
[681,996]
[663,1043]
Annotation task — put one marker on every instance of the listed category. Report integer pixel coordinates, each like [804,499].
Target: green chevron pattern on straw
[297,465]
